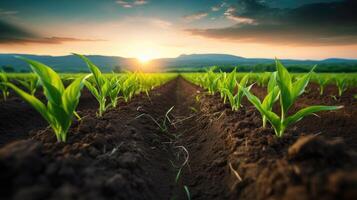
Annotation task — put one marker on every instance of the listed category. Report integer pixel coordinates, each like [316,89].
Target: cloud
[318,24]
[195,16]
[230,14]
[218,7]
[12,34]
[8,12]
[130,4]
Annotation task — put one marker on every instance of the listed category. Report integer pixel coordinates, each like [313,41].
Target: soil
[126,155]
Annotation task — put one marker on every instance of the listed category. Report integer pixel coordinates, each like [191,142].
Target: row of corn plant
[108,90]
[61,102]
[282,88]
[229,85]
[341,81]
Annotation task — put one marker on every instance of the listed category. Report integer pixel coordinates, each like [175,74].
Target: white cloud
[230,14]
[218,7]
[7,12]
[130,4]
[195,16]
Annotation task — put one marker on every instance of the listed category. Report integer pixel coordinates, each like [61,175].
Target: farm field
[179,136]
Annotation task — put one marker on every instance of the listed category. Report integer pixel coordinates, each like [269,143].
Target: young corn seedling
[322,81]
[289,92]
[263,79]
[341,84]
[129,87]
[228,84]
[271,97]
[3,87]
[31,84]
[210,81]
[114,91]
[236,100]
[101,87]
[61,102]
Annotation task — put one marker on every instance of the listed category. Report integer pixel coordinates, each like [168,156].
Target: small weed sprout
[163,124]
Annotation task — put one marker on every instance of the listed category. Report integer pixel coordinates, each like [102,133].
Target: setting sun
[144,58]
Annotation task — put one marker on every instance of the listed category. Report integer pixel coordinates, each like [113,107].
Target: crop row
[283,90]
[61,102]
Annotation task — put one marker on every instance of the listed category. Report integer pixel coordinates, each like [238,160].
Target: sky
[146,29]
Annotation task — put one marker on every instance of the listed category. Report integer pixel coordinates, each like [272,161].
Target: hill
[191,62]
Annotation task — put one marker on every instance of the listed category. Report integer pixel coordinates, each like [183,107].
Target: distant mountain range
[72,63]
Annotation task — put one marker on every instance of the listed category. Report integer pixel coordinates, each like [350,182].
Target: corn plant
[3,87]
[129,86]
[235,100]
[61,102]
[30,84]
[289,92]
[263,79]
[114,91]
[341,84]
[101,87]
[322,81]
[227,84]
[210,81]
[271,97]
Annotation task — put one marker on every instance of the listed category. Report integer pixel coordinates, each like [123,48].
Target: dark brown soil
[124,155]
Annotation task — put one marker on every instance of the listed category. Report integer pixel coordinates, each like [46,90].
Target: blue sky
[167,28]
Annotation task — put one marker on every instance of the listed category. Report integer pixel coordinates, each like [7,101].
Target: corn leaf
[70,97]
[45,73]
[299,86]
[284,82]
[308,111]
[271,116]
[33,101]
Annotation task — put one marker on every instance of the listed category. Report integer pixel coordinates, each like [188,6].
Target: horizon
[151,29]
[300,59]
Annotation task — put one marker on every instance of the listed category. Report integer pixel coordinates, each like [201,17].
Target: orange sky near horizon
[138,33]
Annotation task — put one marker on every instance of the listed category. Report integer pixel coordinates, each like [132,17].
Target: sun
[144,58]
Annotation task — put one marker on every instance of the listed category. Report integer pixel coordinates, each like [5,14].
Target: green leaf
[272,117]
[284,82]
[45,73]
[70,97]
[272,82]
[93,90]
[94,69]
[271,98]
[33,101]
[24,84]
[308,111]
[299,86]
[243,82]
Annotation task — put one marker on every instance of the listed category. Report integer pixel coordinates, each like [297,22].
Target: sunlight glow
[144,58]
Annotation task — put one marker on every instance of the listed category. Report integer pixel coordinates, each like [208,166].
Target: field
[178,136]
